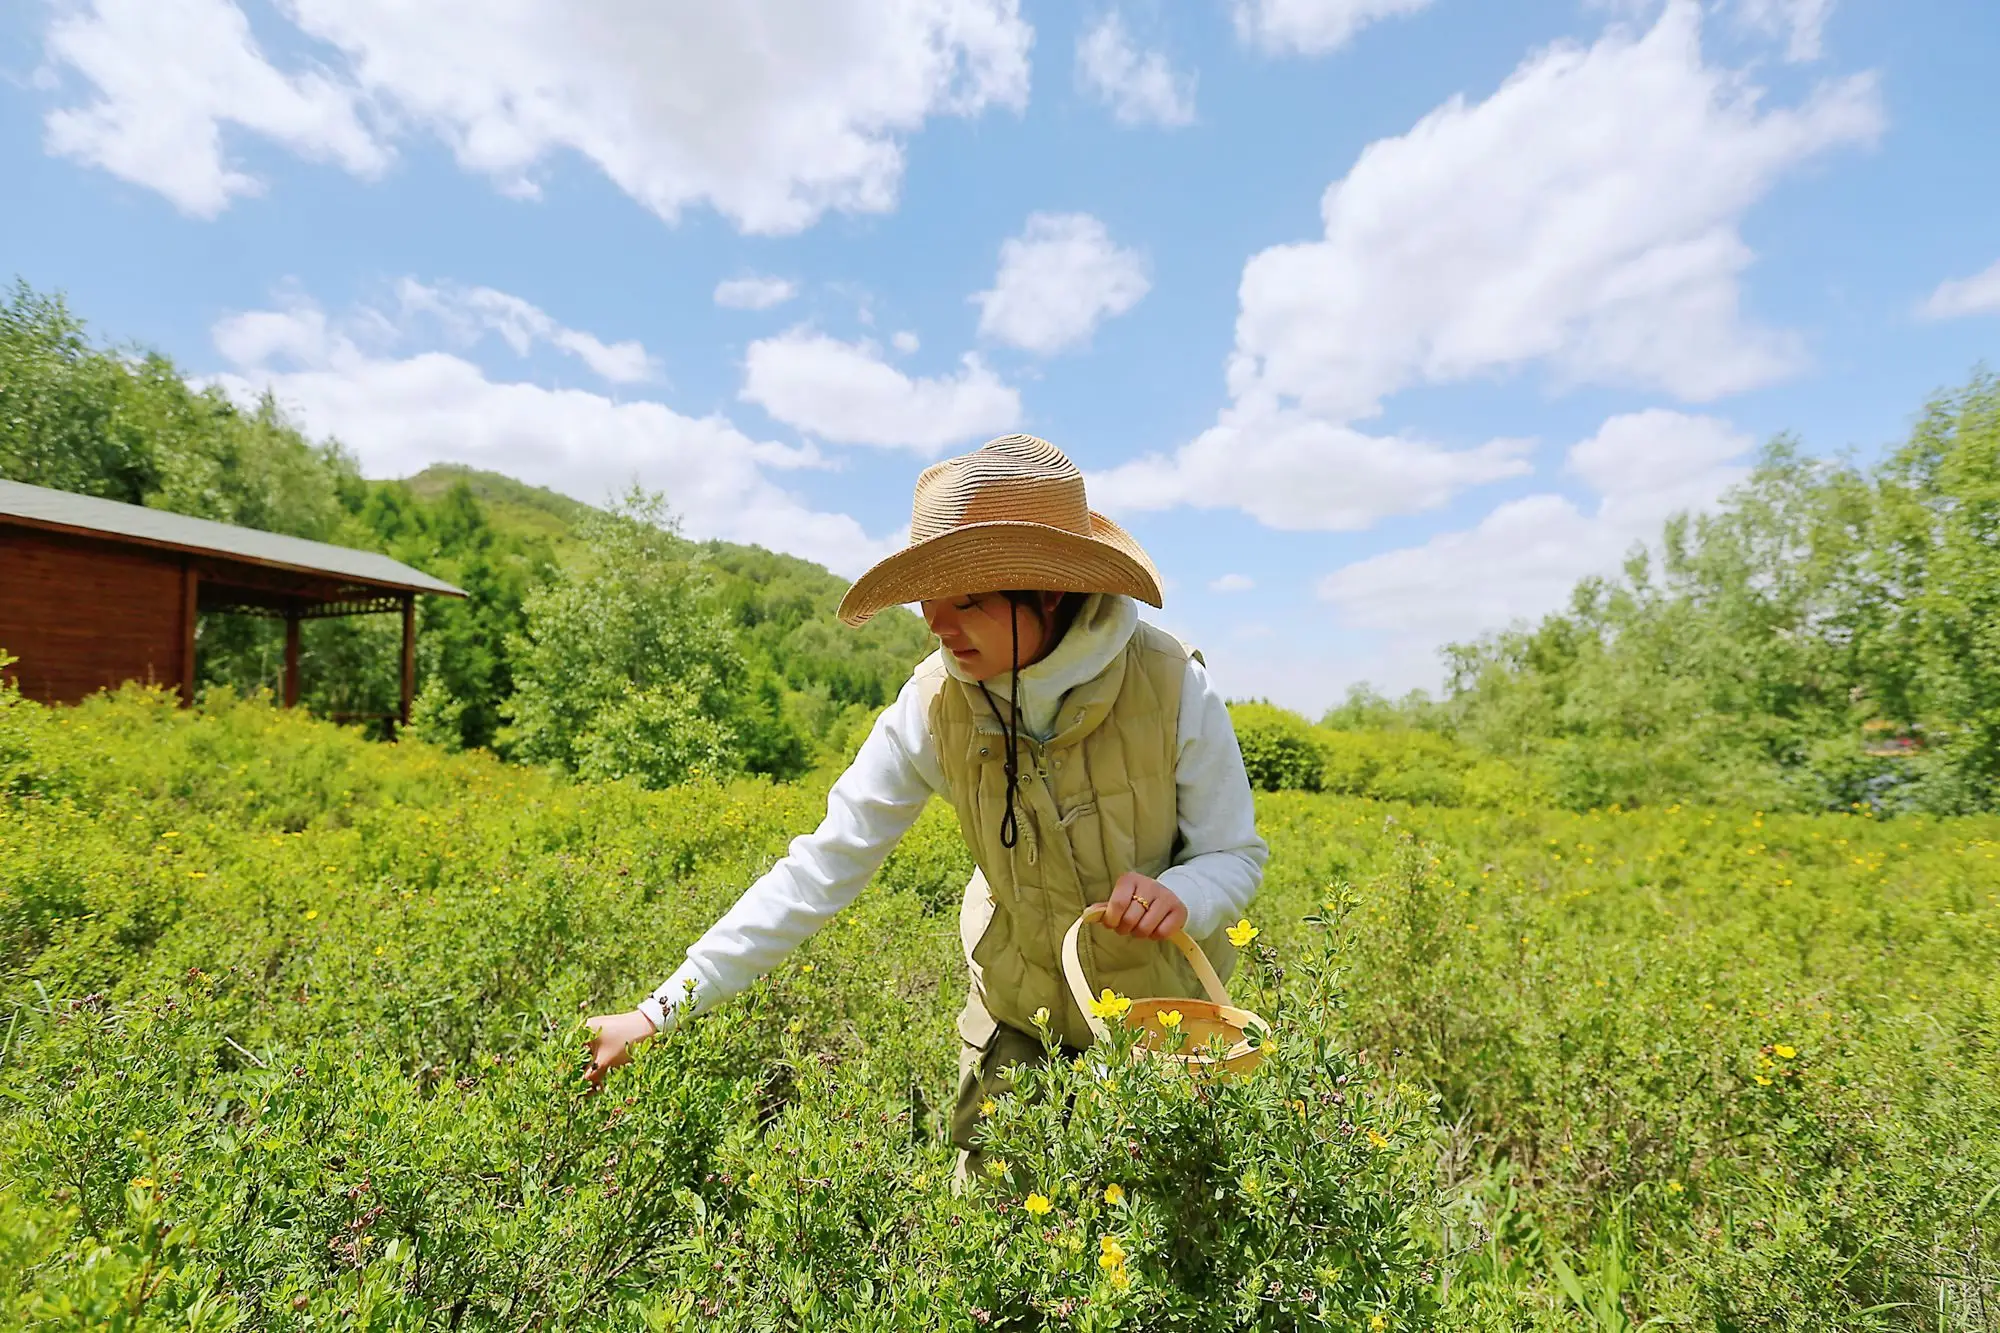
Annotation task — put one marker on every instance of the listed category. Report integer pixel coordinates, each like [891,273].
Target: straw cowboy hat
[1011,514]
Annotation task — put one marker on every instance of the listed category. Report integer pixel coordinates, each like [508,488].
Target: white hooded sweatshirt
[895,772]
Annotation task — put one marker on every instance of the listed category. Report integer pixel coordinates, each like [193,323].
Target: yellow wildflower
[1038,1204]
[1785,1052]
[807,968]
[1377,1140]
[1171,1020]
[1763,1082]
[1675,1187]
[142,1182]
[1376,1323]
[1110,1004]
[1243,932]
[1120,1279]
[1042,1017]
[988,1107]
[1114,1194]
[996,1168]
[1110,1253]
[312,914]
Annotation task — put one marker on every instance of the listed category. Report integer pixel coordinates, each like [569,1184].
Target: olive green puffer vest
[1094,801]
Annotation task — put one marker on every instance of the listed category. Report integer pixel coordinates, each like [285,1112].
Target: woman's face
[974,629]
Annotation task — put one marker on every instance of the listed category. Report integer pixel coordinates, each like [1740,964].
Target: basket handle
[1079,985]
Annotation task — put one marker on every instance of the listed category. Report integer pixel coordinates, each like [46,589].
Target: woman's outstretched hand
[1144,908]
[612,1037]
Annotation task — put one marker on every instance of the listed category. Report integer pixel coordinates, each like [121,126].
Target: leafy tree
[1366,709]
[1934,655]
[128,427]
[59,421]
[1744,661]
[464,659]
[625,668]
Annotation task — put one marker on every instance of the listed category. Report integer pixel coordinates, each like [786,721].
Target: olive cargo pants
[980,1077]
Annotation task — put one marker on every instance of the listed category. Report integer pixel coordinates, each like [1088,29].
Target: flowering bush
[1302,1195]
[288,1040]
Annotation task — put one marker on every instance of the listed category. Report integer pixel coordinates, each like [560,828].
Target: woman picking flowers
[1085,752]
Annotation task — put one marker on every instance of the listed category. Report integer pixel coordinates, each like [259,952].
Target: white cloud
[905,341]
[770,111]
[1232,583]
[1585,216]
[1648,465]
[1297,472]
[754,293]
[299,334]
[1141,88]
[1957,297]
[1524,557]
[1057,280]
[469,311]
[171,74]
[399,413]
[1801,23]
[846,392]
[1312,27]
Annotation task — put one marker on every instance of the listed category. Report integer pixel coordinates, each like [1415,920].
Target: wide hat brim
[1002,554]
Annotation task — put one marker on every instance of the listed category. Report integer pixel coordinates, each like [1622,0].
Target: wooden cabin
[94,593]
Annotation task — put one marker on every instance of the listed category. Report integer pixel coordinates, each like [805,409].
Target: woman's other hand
[611,1041]
[1144,908]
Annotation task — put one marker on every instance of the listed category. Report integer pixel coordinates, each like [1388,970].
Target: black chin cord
[1010,732]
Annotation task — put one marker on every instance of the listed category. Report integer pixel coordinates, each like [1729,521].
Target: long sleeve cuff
[682,994]
[1216,887]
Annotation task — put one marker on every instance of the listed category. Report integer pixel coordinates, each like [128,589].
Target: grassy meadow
[288,1040]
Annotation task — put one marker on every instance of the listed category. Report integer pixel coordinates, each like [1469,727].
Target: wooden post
[291,657]
[190,586]
[409,657]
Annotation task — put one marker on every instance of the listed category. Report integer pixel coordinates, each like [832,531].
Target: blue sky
[1379,322]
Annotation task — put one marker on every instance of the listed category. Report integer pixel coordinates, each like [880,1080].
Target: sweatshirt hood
[1103,626]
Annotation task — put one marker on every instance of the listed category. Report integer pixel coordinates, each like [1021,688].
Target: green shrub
[1280,752]
[1413,766]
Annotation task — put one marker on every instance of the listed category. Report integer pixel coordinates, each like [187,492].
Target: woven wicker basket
[1201,1020]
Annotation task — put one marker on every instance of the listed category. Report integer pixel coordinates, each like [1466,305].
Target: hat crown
[1014,479]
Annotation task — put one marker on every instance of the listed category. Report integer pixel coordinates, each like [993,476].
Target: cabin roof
[64,511]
